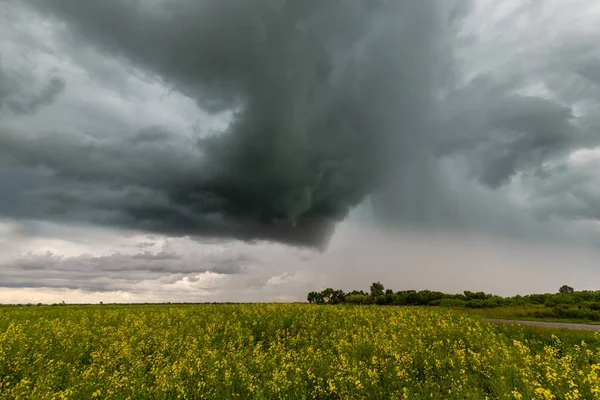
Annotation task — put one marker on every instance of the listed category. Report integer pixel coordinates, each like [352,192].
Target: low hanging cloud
[321,107]
[116,271]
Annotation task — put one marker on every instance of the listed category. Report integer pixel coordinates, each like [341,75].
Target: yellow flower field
[284,351]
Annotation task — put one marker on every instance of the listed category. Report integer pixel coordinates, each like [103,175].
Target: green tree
[566,289]
[331,296]
[475,295]
[327,294]
[377,289]
[357,298]
[337,297]
[315,297]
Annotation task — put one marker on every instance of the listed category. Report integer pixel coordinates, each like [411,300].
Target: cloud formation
[13,97]
[180,270]
[271,120]
[116,271]
[328,100]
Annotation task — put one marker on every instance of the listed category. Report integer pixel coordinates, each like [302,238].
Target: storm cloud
[320,107]
[327,100]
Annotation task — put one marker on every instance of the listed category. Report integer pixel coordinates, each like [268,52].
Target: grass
[286,351]
[525,313]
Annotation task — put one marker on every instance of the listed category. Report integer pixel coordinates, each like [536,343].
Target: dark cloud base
[331,102]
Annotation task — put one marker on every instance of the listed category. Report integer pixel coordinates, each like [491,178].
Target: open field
[526,313]
[271,351]
[545,324]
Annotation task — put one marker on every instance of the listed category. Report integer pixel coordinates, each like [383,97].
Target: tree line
[585,303]
[378,294]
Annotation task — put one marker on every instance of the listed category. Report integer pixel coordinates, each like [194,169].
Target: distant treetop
[566,289]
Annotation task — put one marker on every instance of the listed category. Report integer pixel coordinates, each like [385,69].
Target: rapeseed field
[284,351]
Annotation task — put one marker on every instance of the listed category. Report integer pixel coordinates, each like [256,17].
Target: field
[294,351]
[528,313]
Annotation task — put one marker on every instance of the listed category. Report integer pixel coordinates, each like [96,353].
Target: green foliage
[327,296]
[453,303]
[574,305]
[475,296]
[358,299]
[315,297]
[285,351]
[377,289]
[566,289]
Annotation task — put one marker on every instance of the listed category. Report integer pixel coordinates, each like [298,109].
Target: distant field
[273,351]
[528,313]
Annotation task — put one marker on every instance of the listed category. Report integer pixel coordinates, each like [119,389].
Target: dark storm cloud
[152,157]
[331,102]
[331,98]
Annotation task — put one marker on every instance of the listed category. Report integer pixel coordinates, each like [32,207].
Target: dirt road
[580,327]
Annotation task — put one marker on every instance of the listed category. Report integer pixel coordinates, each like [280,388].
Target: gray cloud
[47,95]
[327,108]
[19,94]
[115,271]
[505,133]
[144,245]
[328,105]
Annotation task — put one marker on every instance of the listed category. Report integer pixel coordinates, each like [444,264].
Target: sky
[155,151]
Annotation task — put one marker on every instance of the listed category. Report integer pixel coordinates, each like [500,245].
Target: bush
[563,311]
[358,299]
[452,303]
